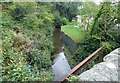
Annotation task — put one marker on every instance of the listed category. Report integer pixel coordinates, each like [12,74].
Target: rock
[111,57]
[104,71]
[116,51]
[108,70]
[92,75]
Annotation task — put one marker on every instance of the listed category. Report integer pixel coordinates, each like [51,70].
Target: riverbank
[76,33]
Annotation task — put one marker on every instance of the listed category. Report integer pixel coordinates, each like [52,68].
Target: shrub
[31,21]
[57,21]
[72,78]
[65,21]
[40,58]
[18,13]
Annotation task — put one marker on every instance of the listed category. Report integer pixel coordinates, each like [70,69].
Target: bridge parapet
[109,70]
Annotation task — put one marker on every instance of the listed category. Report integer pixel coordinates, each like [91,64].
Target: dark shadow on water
[57,41]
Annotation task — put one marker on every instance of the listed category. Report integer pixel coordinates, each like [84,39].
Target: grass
[76,34]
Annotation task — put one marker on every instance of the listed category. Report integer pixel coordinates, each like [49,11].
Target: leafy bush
[40,58]
[18,13]
[11,57]
[46,76]
[14,68]
[72,78]
[65,21]
[57,21]
[18,73]
[86,47]
[102,33]
[31,21]
[7,20]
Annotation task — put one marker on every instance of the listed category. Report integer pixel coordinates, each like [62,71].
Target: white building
[83,21]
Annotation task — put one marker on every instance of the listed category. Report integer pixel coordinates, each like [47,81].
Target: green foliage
[89,8]
[68,10]
[105,18]
[7,38]
[88,12]
[72,78]
[57,21]
[9,53]
[36,22]
[40,55]
[40,59]
[31,15]
[64,21]
[46,76]
[102,33]
[118,13]
[107,46]
[18,74]
[14,61]
[11,57]
[7,20]
[31,21]
[25,73]
[18,13]
[44,14]
[34,26]
[86,47]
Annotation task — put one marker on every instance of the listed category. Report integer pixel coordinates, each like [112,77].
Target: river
[60,65]
[57,41]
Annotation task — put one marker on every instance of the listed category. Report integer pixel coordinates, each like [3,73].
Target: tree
[104,20]
[57,21]
[35,22]
[88,11]
[68,10]
[102,32]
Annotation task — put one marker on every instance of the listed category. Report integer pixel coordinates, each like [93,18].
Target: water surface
[60,65]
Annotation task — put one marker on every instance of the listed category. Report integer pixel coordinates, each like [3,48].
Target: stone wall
[109,70]
[69,42]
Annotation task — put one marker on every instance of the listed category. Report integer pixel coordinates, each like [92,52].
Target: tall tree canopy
[68,10]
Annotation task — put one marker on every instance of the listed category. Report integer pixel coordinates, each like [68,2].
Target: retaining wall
[69,42]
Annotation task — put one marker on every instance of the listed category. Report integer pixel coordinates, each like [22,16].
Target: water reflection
[57,41]
[60,65]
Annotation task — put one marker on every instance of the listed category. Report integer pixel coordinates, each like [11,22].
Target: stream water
[60,65]
[57,41]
